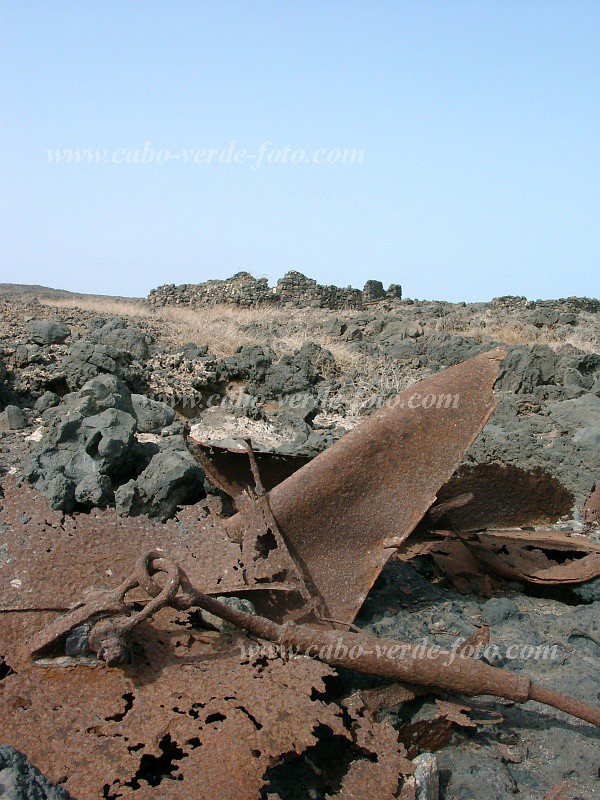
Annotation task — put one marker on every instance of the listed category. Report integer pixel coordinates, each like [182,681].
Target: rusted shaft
[569,705]
[399,660]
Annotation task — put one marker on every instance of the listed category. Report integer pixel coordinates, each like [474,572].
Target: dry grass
[226,328]
[585,336]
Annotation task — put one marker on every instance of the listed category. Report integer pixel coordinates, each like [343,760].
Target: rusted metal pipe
[400,661]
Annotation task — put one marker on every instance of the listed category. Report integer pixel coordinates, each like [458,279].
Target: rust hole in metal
[129,697]
[265,544]
[320,769]
[155,769]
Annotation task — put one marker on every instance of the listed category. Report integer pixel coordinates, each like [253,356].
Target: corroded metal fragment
[341,514]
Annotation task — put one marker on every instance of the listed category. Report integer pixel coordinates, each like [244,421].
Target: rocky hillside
[95,392]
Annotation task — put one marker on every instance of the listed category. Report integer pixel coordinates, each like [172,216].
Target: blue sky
[479,124]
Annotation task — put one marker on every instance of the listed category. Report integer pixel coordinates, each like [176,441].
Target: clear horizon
[452,148]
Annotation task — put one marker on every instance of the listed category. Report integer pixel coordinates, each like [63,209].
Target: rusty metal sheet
[505,496]
[161,726]
[232,463]
[561,791]
[47,558]
[544,556]
[436,730]
[382,772]
[541,556]
[591,509]
[338,512]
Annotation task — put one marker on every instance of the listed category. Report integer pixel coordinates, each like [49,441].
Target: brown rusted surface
[505,496]
[543,556]
[234,467]
[562,791]
[436,731]
[452,558]
[339,513]
[394,694]
[479,639]
[216,720]
[440,510]
[591,509]
[160,726]
[49,558]
[386,658]
[381,777]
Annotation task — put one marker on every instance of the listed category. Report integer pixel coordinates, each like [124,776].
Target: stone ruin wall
[294,289]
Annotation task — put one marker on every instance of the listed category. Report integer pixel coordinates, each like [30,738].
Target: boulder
[171,479]
[193,351]
[525,368]
[46,401]
[249,363]
[12,419]
[127,340]
[294,373]
[94,490]
[108,436]
[87,446]
[447,349]
[20,780]
[84,360]
[45,331]
[101,393]
[151,415]
[396,330]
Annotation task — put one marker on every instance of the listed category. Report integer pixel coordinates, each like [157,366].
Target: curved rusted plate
[339,511]
[505,495]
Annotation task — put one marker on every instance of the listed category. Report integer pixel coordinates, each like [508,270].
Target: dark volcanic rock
[12,419]
[85,446]
[151,415]
[294,373]
[248,363]
[523,369]
[171,479]
[45,331]
[110,348]
[127,340]
[46,401]
[447,349]
[85,360]
[20,780]
[89,455]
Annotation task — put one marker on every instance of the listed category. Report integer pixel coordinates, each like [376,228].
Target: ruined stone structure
[294,289]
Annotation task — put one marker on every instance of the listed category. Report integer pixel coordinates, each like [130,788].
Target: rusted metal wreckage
[130,690]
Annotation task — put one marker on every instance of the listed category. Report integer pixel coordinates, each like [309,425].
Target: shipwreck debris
[309,549]
[361,652]
[543,556]
[340,513]
[505,496]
